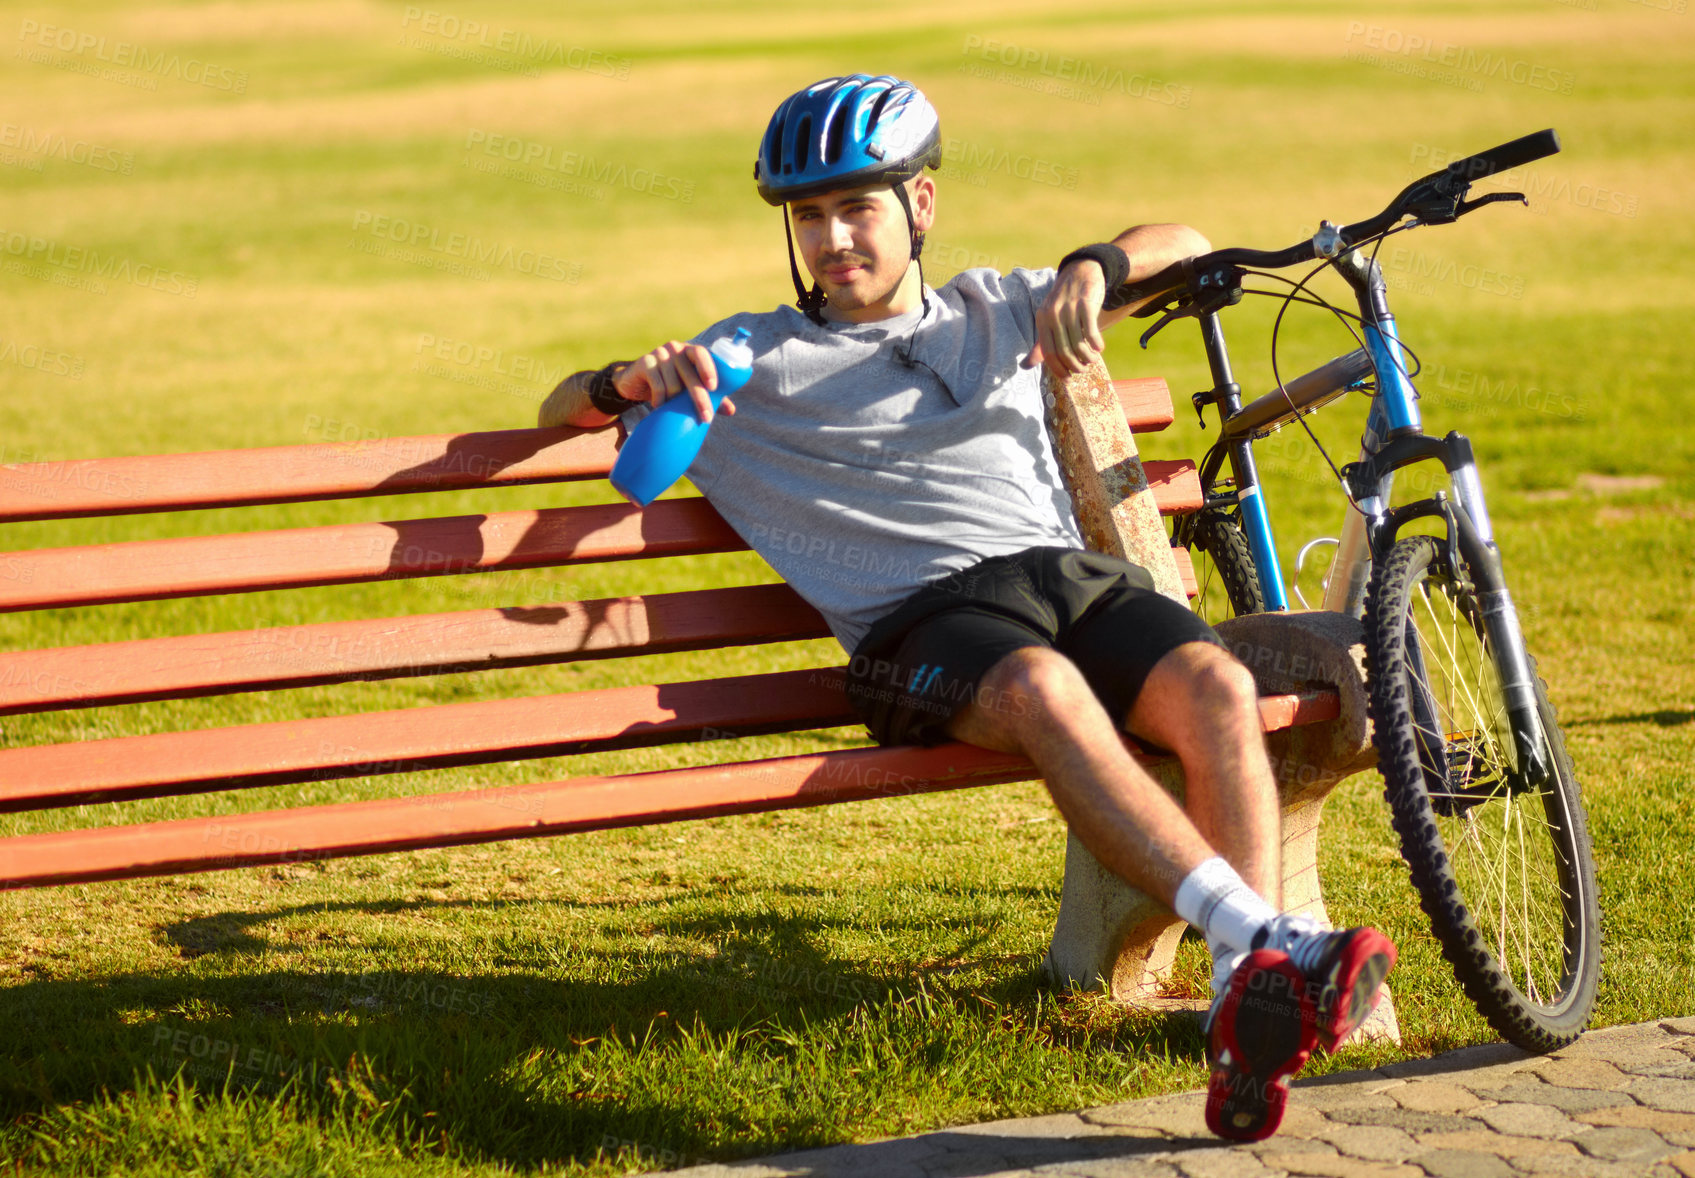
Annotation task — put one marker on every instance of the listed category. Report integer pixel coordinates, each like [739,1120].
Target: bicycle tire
[1228,585]
[1508,885]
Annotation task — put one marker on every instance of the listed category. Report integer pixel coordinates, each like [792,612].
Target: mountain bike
[1481,791]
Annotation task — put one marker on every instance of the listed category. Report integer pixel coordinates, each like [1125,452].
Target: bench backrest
[207,664]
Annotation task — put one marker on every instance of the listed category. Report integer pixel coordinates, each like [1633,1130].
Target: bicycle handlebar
[1508,155]
[1434,199]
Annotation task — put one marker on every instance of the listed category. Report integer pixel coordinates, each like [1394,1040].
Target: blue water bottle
[664,443]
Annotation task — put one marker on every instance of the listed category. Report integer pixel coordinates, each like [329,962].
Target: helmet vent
[803,143]
[877,107]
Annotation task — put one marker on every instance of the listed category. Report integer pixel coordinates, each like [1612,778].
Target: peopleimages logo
[415,235]
[489,358]
[44,257]
[949,255]
[128,55]
[48,361]
[53,145]
[1542,187]
[1420,271]
[574,164]
[1447,62]
[1468,390]
[1086,78]
[971,160]
[464,38]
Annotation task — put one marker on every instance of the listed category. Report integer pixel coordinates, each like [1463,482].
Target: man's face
[856,245]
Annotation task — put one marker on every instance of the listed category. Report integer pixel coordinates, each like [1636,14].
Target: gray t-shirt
[859,476]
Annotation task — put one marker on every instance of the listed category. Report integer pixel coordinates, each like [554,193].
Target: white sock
[1228,912]
[1224,963]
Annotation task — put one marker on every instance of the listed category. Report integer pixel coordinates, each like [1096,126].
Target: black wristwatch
[604,394]
[1111,259]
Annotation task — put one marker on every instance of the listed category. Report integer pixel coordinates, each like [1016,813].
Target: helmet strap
[917,256]
[911,228]
[810,301]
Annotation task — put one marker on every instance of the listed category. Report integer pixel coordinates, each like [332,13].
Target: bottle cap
[735,351]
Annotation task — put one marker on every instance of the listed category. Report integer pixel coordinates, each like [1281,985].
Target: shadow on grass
[1665,719]
[545,1053]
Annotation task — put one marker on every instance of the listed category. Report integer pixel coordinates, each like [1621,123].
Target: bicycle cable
[1313,301]
[1341,313]
[1276,374]
[1377,244]
[1293,296]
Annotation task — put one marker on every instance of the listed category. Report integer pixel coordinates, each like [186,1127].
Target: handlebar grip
[1507,155]
[1167,280]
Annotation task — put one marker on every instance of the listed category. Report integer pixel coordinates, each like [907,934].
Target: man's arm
[569,403]
[666,371]
[1069,322]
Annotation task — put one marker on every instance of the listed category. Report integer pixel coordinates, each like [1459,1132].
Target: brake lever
[1154,306]
[1216,299]
[1180,311]
[1467,205]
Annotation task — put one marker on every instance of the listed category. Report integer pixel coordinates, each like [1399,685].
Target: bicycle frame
[1393,437]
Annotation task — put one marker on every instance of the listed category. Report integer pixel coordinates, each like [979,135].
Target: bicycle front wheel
[1226,582]
[1503,867]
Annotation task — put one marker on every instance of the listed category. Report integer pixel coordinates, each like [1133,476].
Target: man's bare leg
[1202,704]
[1198,702]
[1036,702]
[1271,1007]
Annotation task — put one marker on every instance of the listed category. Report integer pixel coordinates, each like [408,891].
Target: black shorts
[921,663]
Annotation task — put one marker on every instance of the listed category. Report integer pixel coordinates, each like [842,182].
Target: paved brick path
[1620,1101]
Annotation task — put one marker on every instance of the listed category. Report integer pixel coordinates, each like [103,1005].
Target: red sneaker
[1260,1031]
[1344,969]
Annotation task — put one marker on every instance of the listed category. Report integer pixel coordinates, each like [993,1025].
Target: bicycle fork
[1472,554]
[1500,621]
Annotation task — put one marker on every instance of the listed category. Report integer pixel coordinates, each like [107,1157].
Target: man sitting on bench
[890,459]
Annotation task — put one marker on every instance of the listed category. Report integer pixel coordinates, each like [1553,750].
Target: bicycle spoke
[1451,651]
[1470,757]
[1531,990]
[1477,854]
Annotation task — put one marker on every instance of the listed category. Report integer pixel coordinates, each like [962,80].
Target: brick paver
[1619,1101]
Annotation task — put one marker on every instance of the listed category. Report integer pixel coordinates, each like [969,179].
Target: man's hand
[1069,323]
[668,370]
[1068,328]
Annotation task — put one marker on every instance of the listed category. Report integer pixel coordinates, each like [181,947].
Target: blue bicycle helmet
[846,133]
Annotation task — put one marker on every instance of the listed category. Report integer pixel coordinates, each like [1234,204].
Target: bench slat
[1186,570]
[390,648]
[489,815]
[1176,484]
[296,474]
[409,739]
[1146,401]
[192,665]
[245,562]
[348,470]
[524,811]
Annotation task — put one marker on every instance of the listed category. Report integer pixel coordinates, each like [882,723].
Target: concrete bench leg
[1111,934]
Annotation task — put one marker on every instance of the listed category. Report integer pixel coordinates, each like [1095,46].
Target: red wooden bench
[200,665]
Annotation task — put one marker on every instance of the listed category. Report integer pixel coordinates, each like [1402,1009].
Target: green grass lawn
[637,999]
